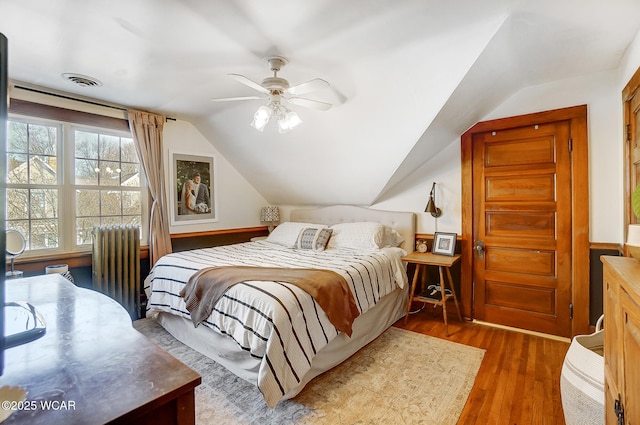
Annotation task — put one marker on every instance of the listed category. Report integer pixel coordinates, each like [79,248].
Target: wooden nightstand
[443,262]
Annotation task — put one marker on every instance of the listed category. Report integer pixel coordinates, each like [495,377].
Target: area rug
[402,377]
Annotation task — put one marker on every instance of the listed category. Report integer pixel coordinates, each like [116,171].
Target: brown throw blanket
[328,289]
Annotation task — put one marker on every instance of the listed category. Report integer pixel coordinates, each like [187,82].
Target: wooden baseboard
[525,331]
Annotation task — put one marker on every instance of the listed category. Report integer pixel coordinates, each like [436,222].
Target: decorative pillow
[360,235]
[312,238]
[391,238]
[286,234]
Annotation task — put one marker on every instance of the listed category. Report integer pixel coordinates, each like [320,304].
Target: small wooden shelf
[428,298]
[444,263]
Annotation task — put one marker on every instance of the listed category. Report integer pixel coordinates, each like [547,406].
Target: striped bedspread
[275,322]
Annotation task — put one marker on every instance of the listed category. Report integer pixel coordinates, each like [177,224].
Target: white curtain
[146,129]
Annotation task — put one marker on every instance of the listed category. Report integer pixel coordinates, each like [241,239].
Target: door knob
[479,249]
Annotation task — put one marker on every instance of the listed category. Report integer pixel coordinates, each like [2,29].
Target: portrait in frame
[193,188]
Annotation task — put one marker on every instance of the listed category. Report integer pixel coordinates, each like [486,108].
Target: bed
[271,333]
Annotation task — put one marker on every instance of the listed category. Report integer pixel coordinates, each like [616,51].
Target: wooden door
[523,227]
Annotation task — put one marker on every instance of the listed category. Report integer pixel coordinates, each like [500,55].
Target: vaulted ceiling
[407,76]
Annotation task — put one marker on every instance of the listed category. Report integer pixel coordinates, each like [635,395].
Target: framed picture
[444,243]
[193,189]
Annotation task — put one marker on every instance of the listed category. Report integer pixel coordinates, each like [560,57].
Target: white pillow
[286,234]
[360,235]
[391,238]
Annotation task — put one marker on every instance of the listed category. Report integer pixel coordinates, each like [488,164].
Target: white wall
[604,109]
[412,194]
[238,202]
[601,93]
[630,62]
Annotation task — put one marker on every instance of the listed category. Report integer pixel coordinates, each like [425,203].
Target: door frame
[577,117]
[631,90]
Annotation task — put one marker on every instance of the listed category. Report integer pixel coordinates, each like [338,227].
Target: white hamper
[62,269]
[582,379]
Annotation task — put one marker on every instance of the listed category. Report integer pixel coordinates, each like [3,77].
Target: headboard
[403,222]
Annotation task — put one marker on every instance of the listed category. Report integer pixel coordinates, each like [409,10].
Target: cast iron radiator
[116,264]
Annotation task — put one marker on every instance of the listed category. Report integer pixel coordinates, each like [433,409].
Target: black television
[4,99]
[27,322]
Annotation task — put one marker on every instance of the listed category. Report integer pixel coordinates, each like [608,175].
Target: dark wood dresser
[91,366]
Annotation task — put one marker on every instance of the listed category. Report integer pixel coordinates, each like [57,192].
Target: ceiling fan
[276,89]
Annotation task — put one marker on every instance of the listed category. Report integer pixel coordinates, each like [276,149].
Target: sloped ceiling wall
[347,155]
[407,77]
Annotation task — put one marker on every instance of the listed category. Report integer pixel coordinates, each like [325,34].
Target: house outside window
[63,179]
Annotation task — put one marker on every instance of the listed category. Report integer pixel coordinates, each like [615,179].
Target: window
[32,183]
[107,182]
[63,179]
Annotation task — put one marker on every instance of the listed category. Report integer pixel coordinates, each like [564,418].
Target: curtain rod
[78,100]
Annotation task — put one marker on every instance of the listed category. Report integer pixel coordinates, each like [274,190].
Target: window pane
[117,166]
[87,203]
[86,145]
[128,150]
[109,148]
[132,219]
[130,175]
[43,140]
[17,169]
[110,173]
[44,234]
[17,137]
[44,203]
[42,170]
[131,203]
[21,226]
[17,204]
[86,173]
[111,221]
[84,227]
[110,203]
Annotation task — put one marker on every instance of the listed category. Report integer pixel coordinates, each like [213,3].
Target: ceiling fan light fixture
[261,118]
[277,90]
[289,121]
[294,119]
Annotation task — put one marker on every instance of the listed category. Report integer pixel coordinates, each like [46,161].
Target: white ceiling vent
[82,80]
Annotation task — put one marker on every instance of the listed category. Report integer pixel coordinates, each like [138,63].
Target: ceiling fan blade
[230,99]
[247,82]
[309,103]
[308,86]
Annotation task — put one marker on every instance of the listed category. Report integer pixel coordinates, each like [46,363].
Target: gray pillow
[314,239]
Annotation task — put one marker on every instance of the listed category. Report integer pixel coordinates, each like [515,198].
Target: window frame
[68,121]
[35,186]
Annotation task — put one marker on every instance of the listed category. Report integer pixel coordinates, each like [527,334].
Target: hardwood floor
[519,379]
